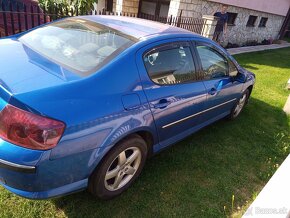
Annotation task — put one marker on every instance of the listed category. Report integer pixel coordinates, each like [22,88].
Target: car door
[222,90]
[173,88]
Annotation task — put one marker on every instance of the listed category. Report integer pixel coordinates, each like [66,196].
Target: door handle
[213,91]
[163,103]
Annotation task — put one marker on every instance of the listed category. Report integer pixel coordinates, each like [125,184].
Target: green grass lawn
[216,172]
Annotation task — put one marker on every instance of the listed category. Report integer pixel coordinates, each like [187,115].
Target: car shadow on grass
[199,176]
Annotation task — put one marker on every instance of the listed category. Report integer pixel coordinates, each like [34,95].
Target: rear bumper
[31,174]
[26,181]
[17,167]
[57,192]
[27,175]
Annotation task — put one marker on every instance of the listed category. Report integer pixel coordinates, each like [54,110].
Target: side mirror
[240,77]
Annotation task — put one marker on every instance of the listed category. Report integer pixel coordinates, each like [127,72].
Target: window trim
[193,56]
[201,43]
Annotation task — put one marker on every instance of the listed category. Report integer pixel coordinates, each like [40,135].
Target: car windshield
[79,45]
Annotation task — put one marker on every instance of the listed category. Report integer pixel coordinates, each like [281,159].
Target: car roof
[135,27]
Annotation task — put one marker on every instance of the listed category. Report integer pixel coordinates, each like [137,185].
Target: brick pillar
[209,26]
[126,6]
[174,8]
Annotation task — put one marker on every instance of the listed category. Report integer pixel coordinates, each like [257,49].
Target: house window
[148,7]
[252,20]
[158,8]
[232,18]
[263,22]
[109,5]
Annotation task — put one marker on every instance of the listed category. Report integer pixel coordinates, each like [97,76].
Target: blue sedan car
[85,101]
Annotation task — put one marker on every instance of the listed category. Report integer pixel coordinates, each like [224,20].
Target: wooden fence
[16,18]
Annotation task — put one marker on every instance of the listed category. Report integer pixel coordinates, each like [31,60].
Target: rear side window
[214,64]
[80,45]
[170,64]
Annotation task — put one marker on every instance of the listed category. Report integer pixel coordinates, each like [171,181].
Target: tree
[82,6]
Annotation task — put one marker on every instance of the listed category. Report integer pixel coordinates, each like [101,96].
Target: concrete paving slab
[248,49]
[286,108]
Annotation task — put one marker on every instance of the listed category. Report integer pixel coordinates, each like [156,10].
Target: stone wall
[239,33]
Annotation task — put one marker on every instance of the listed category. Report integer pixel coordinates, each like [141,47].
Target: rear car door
[222,90]
[173,88]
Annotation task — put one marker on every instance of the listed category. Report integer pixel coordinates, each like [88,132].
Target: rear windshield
[79,45]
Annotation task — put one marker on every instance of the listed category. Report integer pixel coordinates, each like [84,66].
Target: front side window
[170,64]
[214,65]
[232,69]
[77,44]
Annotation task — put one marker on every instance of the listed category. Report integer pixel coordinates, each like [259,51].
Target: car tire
[119,169]
[239,106]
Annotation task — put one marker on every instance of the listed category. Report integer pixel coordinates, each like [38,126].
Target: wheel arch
[145,133]
[250,89]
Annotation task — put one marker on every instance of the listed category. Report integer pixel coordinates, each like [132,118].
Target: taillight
[29,130]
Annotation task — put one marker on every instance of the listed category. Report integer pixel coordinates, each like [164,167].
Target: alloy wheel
[123,168]
[240,105]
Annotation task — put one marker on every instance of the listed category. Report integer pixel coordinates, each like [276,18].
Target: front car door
[222,90]
[175,93]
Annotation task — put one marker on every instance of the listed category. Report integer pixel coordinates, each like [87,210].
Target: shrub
[83,6]
[266,42]
[232,45]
